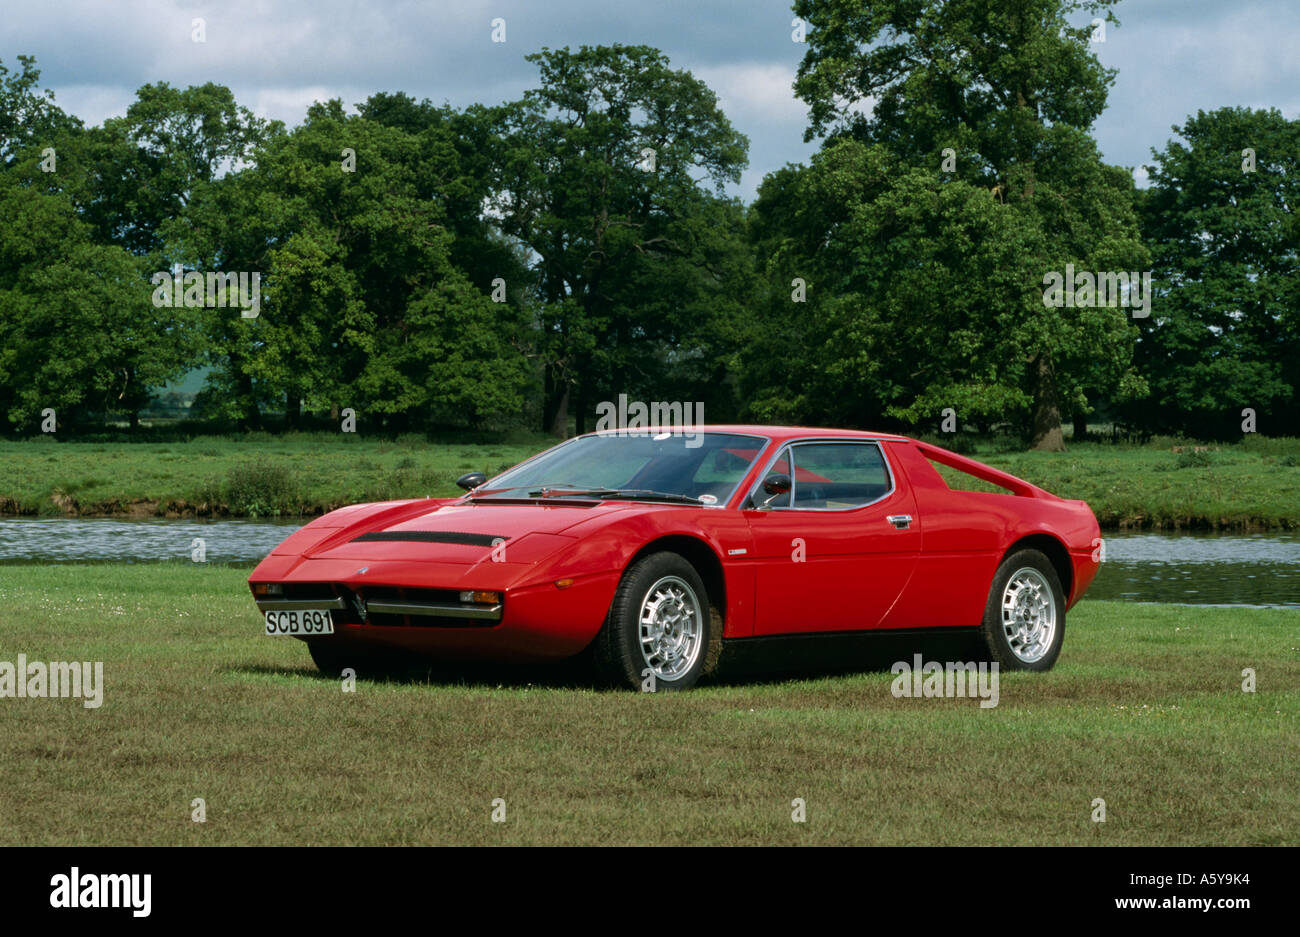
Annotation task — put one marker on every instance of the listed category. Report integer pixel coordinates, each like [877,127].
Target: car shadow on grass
[795,658]
[741,664]
[469,675]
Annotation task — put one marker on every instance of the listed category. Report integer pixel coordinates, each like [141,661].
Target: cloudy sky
[1174,56]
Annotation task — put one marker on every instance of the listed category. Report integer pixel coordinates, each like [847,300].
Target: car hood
[460,532]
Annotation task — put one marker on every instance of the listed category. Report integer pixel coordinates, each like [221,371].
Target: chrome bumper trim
[380,607]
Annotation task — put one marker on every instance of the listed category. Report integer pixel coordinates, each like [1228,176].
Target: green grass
[1144,710]
[1253,484]
[255,475]
[1250,485]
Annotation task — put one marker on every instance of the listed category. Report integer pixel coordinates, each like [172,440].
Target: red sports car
[657,550]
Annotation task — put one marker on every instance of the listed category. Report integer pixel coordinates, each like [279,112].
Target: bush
[1171,442]
[960,443]
[1194,459]
[262,488]
[1270,445]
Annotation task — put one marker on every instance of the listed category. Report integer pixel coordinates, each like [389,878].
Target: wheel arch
[1056,553]
[700,555]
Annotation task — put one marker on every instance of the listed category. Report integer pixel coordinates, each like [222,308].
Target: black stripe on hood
[433,536]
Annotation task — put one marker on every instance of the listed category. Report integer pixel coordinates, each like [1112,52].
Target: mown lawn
[255,475]
[1145,710]
[1254,484]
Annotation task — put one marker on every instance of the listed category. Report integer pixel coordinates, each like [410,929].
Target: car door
[833,553]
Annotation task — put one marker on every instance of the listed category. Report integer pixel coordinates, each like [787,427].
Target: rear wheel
[1024,620]
[661,633]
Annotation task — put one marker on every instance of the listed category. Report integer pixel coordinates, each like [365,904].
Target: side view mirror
[775,486]
[471,480]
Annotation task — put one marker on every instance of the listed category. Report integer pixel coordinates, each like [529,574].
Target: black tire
[617,651]
[1001,629]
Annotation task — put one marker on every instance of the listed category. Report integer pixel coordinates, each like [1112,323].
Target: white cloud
[94,103]
[1174,57]
[754,91]
[290,104]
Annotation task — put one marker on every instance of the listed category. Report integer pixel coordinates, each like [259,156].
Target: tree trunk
[580,412]
[1080,426]
[252,417]
[292,410]
[555,402]
[560,421]
[1047,435]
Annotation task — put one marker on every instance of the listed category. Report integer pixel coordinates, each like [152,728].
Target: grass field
[1251,485]
[1145,710]
[256,475]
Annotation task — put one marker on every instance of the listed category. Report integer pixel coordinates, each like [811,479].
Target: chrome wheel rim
[1029,614]
[672,627]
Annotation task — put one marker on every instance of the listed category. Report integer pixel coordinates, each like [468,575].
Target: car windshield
[696,466]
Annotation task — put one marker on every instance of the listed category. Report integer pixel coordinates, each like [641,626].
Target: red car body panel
[776,572]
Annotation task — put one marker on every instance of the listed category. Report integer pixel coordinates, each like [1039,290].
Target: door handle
[900,521]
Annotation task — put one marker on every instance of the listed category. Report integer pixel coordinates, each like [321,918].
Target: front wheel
[1024,620]
[660,633]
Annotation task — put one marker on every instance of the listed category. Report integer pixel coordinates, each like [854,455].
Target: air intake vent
[433,536]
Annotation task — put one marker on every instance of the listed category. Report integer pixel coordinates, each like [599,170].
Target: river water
[1198,569]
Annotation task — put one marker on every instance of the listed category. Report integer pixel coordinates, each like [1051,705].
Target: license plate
[301,622]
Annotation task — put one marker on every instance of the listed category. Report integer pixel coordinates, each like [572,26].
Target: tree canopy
[514,264]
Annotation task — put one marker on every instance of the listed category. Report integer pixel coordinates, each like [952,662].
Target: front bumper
[412,607]
[367,608]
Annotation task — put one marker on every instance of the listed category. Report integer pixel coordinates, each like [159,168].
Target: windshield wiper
[488,492]
[533,490]
[564,490]
[633,494]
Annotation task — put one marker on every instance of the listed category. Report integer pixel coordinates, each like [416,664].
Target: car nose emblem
[363,569]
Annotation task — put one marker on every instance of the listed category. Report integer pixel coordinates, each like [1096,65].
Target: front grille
[306,590]
[405,597]
[408,593]
[392,606]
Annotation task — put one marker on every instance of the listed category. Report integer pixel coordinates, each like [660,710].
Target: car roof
[775,433]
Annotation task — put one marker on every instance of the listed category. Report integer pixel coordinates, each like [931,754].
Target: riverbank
[1166,485]
[1172,485]
[257,475]
[1145,710]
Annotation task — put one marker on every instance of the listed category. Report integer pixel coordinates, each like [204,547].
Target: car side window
[839,475]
